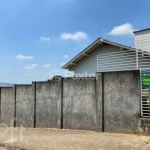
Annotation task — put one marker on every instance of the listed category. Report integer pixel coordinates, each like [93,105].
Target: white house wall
[88,65]
[142,40]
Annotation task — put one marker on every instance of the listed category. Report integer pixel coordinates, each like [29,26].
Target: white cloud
[22,57]
[47,39]
[47,65]
[33,66]
[62,64]
[124,29]
[74,36]
[66,56]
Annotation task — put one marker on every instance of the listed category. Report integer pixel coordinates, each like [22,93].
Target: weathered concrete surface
[48,104]
[80,104]
[122,101]
[145,125]
[7,105]
[24,106]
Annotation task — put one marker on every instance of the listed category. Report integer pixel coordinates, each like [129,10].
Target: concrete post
[0,104]
[14,91]
[34,99]
[99,100]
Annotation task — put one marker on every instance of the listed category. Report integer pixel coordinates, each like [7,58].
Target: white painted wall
[142,40]
[88,65]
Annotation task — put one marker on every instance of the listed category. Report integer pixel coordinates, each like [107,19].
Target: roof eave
[81,55]
[141,30]
[90,48]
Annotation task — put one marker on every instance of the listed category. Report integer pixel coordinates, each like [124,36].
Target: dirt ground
[53,139]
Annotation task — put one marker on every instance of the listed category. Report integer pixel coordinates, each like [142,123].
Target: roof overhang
[86,52]
[141,30]
[81,55]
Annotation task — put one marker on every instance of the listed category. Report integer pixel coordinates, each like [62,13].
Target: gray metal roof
[93,46]
[141,30]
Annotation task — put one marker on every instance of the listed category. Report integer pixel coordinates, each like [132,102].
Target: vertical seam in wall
[0,105]
[34,105]
[96,96]
[62,102]
[15,106]
[103,111]
[140,95]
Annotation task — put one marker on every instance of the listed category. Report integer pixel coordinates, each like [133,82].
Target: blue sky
[37,36]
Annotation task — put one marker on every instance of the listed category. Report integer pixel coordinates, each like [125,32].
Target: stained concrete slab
[122,98]
[48,104]
[7,105]
[24,106]
[80,104]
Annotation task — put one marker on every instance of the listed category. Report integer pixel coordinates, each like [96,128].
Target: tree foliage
[55,78]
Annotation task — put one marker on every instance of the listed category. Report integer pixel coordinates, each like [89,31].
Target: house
[105,56]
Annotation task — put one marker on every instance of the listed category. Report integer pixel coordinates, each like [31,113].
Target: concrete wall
[81,108]
[7,105]
[48,104]
[145,125]
[122,100]
[24,105]
[110,102]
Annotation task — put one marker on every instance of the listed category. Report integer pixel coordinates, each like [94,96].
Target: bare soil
[54,139]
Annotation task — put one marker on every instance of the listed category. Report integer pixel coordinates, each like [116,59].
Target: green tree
[55,78]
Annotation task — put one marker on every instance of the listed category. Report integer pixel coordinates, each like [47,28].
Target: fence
[110,102]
